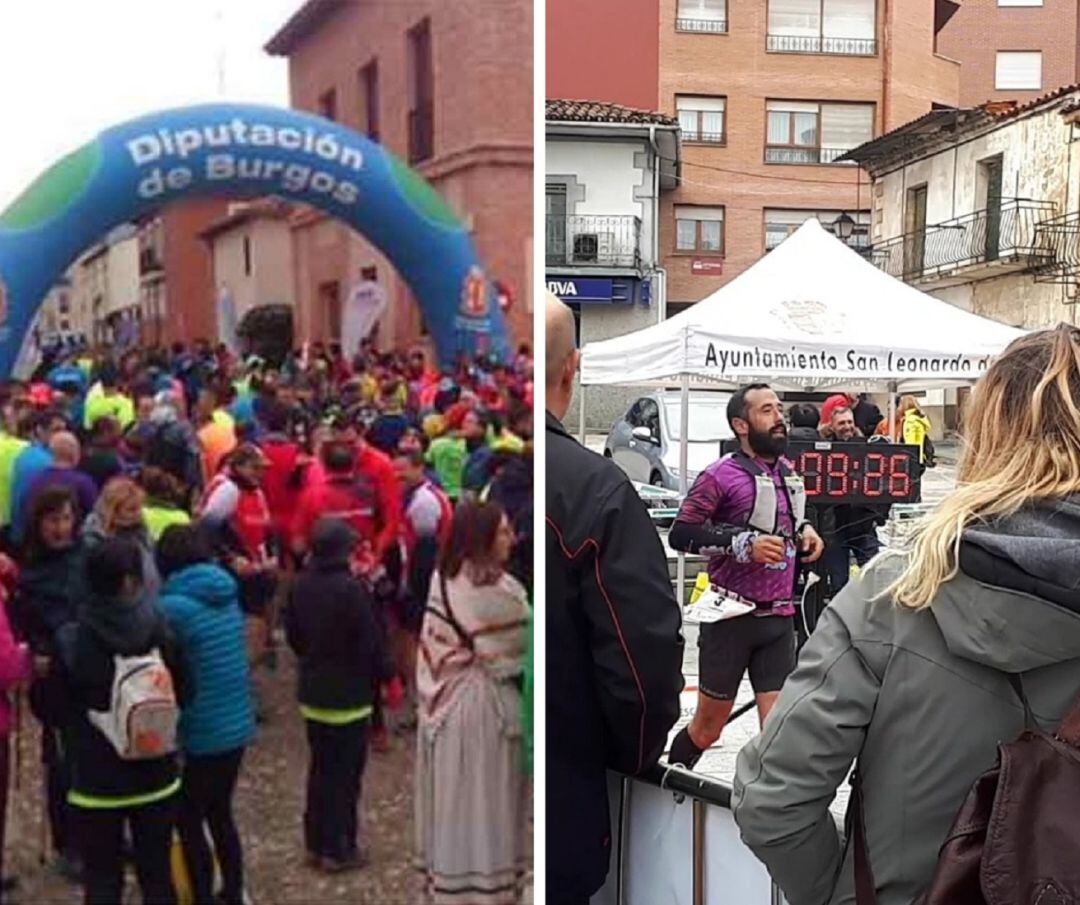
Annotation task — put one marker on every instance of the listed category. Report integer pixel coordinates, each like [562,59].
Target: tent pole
[892,410]
[684,455]
[581,416]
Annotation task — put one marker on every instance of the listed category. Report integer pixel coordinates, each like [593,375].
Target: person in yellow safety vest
[105,399]
[10,448]
[914,426]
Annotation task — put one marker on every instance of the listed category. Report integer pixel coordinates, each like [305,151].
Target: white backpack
[142,717]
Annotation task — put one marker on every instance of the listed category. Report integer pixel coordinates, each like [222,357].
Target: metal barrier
[685,845]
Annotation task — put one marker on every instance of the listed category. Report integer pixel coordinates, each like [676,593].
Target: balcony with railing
[593,241]
[1005,238]
[821,44]
[713,26]
[798,154]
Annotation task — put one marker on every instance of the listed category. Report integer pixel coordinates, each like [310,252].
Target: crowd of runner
[168,515]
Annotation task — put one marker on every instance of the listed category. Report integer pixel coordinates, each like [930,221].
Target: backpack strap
[450,619]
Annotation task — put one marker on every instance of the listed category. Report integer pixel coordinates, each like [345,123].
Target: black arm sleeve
[709,540]
[694,530]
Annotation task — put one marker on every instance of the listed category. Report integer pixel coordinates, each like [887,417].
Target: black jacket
[49,590]
[85,669]
[614,653]
[331,627]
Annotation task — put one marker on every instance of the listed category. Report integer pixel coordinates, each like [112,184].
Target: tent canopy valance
[811,313]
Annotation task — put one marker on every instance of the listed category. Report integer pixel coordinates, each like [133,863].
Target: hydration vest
[764,514]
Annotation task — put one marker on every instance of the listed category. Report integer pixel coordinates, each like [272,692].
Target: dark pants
[335,772]
[57,785]
[206,801]
[101,835]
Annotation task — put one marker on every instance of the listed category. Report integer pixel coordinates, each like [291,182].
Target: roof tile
[560,110]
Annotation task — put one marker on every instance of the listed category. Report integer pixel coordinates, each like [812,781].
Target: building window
[779,224]
[1018,69]
[247,256]
[421,93]
[555,215]
[800,132]
[328,104]
[708,16]
[330,305]
[822,26]
[369,100]
[701,118]
[699,229]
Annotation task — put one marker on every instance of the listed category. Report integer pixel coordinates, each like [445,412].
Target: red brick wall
[980,28]
[189,277]
[604,50]
[734,175]
[482,52]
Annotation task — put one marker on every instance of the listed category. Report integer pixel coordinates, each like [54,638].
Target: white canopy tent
[811,314]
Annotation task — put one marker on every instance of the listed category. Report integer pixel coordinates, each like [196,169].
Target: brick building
[768,98]
[1013,49]
[628,31]
[445,86]
[176,285]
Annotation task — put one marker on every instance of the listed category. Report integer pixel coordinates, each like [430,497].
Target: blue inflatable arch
[245,151]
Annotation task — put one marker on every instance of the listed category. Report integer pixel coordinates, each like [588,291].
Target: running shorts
[764,645]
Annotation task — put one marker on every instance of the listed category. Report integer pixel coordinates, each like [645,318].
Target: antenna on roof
[219,19]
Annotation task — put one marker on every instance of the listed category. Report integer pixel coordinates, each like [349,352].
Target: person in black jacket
[330,624]
[50,586]
[109,793]
[804,418]
[614,642]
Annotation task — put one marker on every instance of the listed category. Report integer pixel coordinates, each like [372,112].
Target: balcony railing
[852,47]
[1057,244]
[792,154]
[701,26]
[713,138]
[593,241]
[1009,233]
[422,133]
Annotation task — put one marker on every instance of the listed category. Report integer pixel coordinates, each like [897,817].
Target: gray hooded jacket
[920,699]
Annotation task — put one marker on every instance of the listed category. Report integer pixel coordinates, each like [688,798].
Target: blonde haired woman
[119,513]
[909,668]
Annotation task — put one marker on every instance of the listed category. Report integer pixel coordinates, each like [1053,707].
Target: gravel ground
[269,804]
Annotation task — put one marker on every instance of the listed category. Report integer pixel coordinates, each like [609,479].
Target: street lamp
[843,226]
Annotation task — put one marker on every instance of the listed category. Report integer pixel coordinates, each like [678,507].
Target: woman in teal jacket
[201,603]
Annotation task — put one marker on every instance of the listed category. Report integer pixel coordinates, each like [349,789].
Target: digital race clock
[867,473]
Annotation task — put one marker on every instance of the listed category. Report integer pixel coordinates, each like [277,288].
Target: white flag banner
[363,308]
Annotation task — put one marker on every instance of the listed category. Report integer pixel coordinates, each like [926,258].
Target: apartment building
[445,86]
[768,95]
[1013,49]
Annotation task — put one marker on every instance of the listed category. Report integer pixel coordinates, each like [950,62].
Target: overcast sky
[70,68]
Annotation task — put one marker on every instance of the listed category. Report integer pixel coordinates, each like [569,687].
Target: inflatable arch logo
[244,151]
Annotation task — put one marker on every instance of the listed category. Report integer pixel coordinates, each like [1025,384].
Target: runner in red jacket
[361,488]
